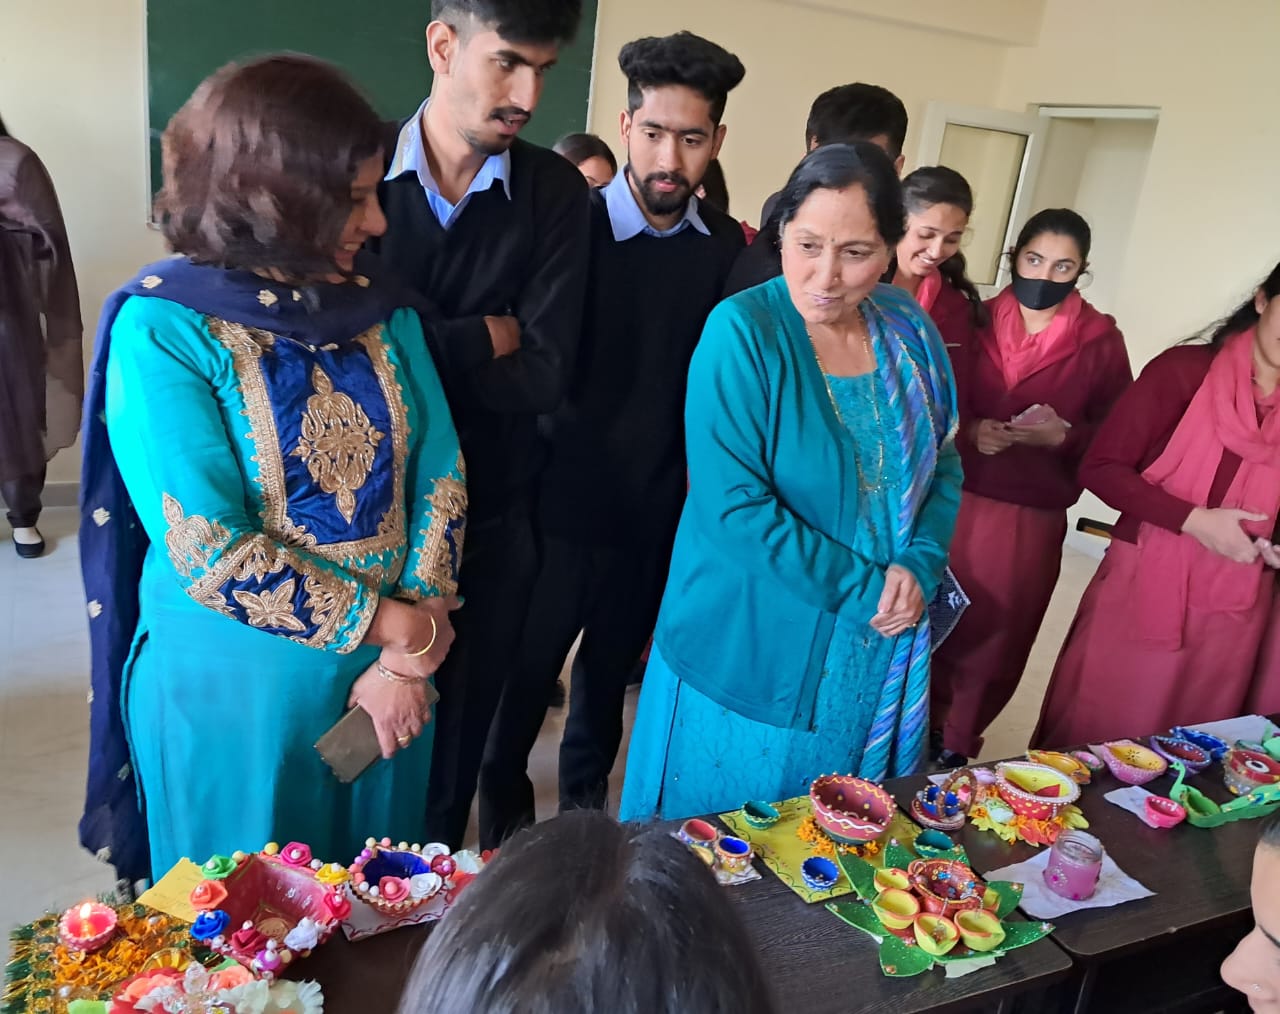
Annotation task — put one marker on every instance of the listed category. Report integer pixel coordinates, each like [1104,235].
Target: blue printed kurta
[284,487]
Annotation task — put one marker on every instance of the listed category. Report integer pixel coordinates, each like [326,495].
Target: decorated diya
[1174,748]
[1214,746]
[943,807]
[945,886]
[1073,767]
[1245,770]
[1131,762]
[850,810]
[396,879]
[1204,812]
[1035,791]
[264,909]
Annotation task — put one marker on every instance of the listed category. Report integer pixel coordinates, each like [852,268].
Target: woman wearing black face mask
[1045,373]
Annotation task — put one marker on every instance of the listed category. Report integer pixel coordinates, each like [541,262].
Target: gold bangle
[430,644]
[396,677]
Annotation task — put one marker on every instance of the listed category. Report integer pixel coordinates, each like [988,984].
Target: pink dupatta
[1175,571]
[1021,354]
[927,293]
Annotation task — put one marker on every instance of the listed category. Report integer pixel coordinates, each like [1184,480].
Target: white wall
[72,87]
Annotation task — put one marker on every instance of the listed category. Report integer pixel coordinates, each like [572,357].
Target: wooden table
[806,950]
[1161,952]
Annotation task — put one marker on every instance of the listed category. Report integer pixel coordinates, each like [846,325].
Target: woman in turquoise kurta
[824,483]
[277,429]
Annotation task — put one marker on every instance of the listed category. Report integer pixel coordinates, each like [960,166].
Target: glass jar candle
[1075,863]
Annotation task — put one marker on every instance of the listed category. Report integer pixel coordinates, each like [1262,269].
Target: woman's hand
[404,628]
[399,710]
[901,603]
[1048,430]
[1220,531]
[990,436]
[1269,552]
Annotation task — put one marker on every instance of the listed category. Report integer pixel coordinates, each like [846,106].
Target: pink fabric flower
[337,904]
[393,889]
[229,978]
[296,854]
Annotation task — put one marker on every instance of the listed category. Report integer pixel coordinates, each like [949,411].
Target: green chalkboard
[380,44]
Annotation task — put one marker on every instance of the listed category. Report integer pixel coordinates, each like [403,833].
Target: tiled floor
[44,720]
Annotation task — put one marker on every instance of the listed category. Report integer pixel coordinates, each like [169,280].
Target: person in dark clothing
[611,496]
[840,115]
[493,234]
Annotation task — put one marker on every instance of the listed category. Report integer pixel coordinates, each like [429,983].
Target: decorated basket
[943,807]
[265,909]
[1131,762]
[1036,791]
[1173,748]
[850,810]
[1073,767]
[396,879]
[945,886]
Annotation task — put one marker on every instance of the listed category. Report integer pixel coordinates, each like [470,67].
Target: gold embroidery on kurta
[272,607]
[448,502]
[329,597]
[337,443]
[247,346]
[191,541]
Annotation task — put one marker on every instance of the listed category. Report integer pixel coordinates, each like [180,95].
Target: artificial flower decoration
[247,939]
[218,868]
[303,937]
[393,889]
[229,978]
[210,924]
[296,854]
[332,874]
[139,986]
[208,894]
[337,904]
[425,885]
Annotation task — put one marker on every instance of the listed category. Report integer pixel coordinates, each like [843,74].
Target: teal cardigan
[761,567]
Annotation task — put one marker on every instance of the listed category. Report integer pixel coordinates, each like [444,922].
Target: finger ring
[404,740]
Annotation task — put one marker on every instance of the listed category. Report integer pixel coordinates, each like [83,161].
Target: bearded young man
[611,495]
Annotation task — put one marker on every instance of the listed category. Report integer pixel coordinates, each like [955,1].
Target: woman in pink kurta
[929,265]
[1168,631]
[1044,375]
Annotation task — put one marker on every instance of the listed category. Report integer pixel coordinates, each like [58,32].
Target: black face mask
[1040,293]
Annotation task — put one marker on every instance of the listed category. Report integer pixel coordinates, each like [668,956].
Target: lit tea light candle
[88,927]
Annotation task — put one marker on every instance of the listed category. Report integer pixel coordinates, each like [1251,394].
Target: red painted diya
[946,886]
[851,810]
[1035,791]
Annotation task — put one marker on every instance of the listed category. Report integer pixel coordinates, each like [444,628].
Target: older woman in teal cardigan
[824,483]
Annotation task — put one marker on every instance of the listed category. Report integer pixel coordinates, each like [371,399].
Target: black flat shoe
[29,550]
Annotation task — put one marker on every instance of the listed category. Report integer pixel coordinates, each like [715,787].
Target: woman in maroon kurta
[1168,631]
[928,262]
[1042,377]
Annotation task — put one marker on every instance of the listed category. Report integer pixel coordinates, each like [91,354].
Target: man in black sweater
[611,496]
[840,115]
[493,233]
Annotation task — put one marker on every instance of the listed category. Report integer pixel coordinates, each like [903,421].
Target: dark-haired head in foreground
[1254,966]
[677,87]
[582,915]
[858,112]
[273,165]
[489,58]
[591,155]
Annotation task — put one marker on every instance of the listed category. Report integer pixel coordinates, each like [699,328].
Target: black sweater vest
[617,468]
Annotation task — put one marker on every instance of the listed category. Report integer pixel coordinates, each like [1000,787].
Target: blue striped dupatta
[913,364]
